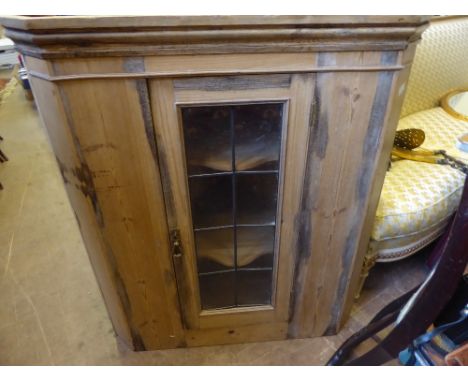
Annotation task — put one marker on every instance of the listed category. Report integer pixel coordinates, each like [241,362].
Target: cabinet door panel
[231,178]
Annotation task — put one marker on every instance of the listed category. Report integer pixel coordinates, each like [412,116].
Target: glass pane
[215,250]
[233,213]
[256,198]
[218,290]
[258,136]
[211,200]
[255,247]
[207,136]
[254,287]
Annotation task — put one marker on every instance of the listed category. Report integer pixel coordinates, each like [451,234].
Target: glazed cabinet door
[232,153]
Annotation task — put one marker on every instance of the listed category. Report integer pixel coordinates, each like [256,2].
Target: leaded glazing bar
[233,156]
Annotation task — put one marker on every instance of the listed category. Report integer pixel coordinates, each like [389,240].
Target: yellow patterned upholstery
[418,195]
[418,198]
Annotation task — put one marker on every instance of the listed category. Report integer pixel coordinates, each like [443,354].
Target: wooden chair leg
[369,262]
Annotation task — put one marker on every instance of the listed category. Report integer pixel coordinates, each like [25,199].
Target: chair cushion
[415,195]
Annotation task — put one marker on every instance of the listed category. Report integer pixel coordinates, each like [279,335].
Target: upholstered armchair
[418,199]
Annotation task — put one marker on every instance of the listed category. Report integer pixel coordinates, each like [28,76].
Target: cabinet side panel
[381,166]
[111,129]
[346,136]
[113,125]
[52,114]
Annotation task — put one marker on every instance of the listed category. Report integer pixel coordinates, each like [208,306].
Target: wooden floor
[51,310]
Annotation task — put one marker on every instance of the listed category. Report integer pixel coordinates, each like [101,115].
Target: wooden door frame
[168,127]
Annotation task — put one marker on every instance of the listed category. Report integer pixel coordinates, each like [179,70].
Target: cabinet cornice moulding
[62,37]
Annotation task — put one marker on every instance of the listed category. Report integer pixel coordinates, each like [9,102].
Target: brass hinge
[176,244]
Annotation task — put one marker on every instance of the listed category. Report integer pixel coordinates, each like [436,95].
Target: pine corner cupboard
[224,171]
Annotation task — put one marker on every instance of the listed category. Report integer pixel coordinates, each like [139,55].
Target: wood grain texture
[118,22]
[187,97]
[371,155]
[87,37]
[69,159]
[238,334]
[390,122]
[109,91]
[234,83]
[336,186]
[166,96]
[120,163]
[194,65]
[302,89]
[255,33]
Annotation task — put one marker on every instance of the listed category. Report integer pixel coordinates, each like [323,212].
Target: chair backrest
[440,64]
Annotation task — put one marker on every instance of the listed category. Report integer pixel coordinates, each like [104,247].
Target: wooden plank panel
[191,64]
[132,22]
[234,63]
[237,334]
[206,65]
[333,193]
[170,150]
[235,96]
[302,93]
[237,317]
[92,65]
[374,161]
[234,82]
[38,65]
[70,163]
[116,138]
[392,116]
